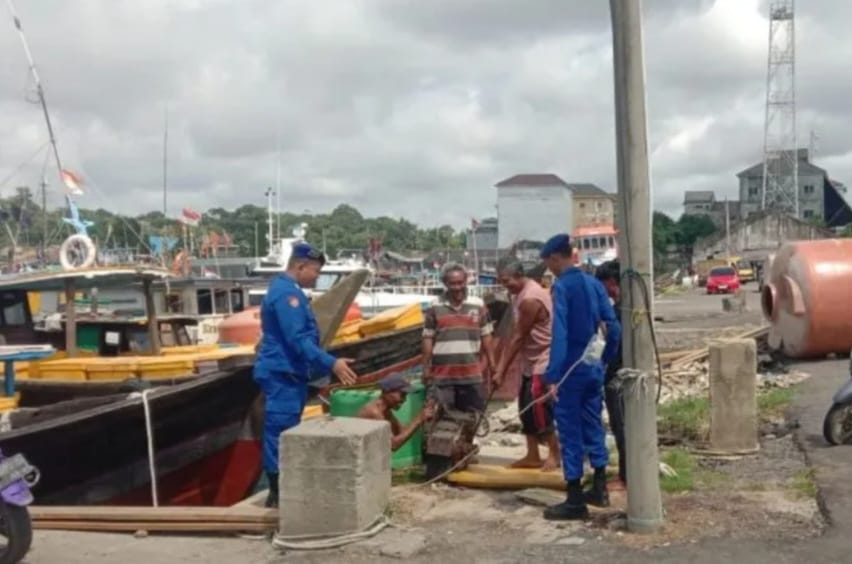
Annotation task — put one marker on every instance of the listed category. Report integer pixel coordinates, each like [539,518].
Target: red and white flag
[73,182]
[474,224]
[189,217]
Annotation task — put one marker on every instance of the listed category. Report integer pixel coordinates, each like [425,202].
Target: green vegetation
[689,473]
[774,403]
[803,484]
[343,228]
[686,419]
[681,234]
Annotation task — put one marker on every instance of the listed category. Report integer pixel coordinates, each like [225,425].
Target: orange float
[806,298]
[243,328]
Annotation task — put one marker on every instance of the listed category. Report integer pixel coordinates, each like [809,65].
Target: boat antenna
[40,92]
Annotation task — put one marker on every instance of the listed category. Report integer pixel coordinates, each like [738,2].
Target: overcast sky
[400,107]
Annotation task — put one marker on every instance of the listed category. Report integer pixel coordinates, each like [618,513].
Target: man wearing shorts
[456,333]
[532,309]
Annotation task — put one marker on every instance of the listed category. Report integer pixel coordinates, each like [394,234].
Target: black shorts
[537,420]
[461,397]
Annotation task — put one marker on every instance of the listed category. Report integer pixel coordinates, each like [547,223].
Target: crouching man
[394,391]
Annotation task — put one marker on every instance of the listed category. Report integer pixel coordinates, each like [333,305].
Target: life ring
[77,251]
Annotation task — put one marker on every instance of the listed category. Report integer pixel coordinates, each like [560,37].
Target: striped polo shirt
[457,333]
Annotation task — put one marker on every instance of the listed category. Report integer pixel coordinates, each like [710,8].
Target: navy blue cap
[557,244]
[395,383]
[306,251]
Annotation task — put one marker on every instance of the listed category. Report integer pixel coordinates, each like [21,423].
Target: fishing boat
[198,435]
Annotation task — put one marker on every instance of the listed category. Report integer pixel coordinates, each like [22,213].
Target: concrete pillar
[335,476]
[733,396]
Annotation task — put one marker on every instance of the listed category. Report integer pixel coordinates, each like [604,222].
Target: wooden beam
[153,324]
[239,514]
[170,526]
[70,319]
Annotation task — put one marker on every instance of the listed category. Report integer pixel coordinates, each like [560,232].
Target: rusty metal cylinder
[807,298]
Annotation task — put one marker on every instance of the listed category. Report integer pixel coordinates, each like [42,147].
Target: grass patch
[686,418]
[773,403]
[684,464]
[803,484]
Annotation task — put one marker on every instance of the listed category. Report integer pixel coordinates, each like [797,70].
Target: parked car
[723,280]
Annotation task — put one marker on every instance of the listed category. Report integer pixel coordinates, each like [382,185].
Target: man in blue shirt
[581,309]
[289,354]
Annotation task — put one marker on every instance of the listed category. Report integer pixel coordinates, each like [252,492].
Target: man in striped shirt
[456,333]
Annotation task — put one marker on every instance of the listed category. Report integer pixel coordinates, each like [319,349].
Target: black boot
[598,495]
[272,498]
[572,509]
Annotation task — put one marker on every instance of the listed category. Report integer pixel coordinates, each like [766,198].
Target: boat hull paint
[101,453]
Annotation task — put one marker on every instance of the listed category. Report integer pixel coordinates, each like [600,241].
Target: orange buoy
[243,328]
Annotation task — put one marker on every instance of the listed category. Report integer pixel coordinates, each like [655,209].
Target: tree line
[26,224]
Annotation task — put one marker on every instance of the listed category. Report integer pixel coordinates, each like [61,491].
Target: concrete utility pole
[644,504]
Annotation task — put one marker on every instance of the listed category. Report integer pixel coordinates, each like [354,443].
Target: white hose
[150,437]
[324,543]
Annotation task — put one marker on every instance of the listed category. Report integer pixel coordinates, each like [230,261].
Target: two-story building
[704,202]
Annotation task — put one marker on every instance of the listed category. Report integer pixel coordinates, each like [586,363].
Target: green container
[88,338]
[347,403]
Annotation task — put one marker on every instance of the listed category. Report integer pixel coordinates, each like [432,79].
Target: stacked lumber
[165,519]
[689,357]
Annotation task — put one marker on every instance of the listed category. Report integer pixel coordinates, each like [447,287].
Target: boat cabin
[596,245]
[19,293]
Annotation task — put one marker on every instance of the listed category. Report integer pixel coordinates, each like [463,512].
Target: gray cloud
[401,108]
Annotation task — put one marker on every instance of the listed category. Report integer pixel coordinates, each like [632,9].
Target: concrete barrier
[335,476]
[733,396]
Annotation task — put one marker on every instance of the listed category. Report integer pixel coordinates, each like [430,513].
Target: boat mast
[270,234]
[39,89]
[278,183]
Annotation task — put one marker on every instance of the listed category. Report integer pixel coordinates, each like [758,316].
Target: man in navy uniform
[581,308]
[290,355]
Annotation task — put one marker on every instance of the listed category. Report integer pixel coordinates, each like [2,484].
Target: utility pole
[644,503]
[165,159]
[728,229]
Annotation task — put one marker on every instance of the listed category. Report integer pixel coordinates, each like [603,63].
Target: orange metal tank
[807,297]
[244,327]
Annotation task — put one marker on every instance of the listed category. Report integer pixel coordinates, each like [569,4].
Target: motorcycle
[837,427]
[17,476]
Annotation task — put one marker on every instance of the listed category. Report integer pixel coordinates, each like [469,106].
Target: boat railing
[478,290]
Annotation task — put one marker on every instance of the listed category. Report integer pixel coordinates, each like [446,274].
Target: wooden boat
[204,433]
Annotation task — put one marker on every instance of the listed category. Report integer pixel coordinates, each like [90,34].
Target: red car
[722,280]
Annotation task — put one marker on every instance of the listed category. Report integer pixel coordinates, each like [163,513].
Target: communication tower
[780,155]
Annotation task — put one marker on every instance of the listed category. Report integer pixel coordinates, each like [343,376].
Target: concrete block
[335,476]
[733,396]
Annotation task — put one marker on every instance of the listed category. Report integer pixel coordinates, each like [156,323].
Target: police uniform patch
[293,301]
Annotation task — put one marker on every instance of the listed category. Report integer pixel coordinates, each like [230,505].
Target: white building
[533,207]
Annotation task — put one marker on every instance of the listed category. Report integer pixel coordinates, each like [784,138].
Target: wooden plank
[154,514]
[540,496]
[132,526]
